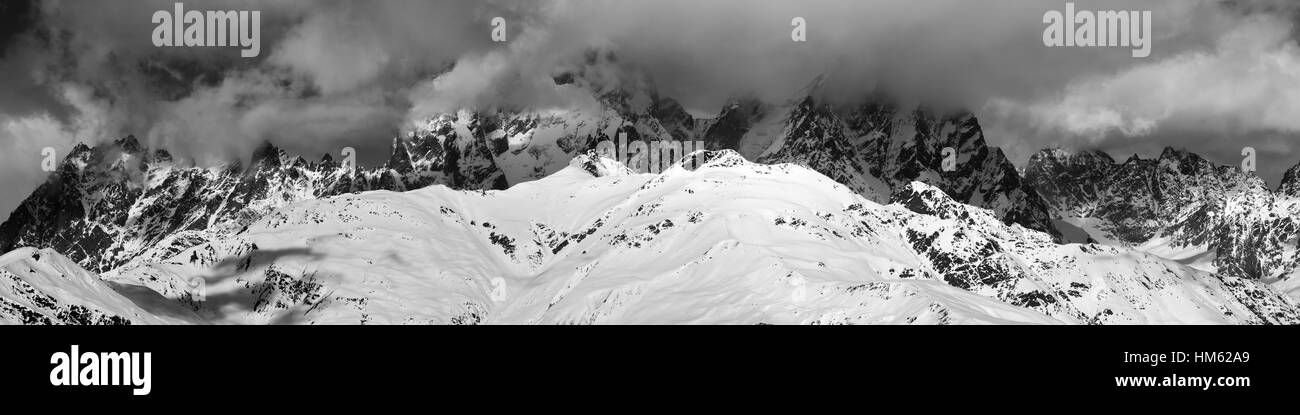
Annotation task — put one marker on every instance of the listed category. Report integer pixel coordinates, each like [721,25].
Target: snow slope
[728,242]
[44,287]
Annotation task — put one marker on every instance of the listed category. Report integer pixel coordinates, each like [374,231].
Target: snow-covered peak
[929,200]
[598,165]
[1068,157]
[717,159]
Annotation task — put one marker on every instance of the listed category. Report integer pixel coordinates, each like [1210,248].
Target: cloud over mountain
[336,73]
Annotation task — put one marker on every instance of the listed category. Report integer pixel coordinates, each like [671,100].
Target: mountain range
[1218,218]
[810,211]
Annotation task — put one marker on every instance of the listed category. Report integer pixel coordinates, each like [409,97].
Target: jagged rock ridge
[1177,202]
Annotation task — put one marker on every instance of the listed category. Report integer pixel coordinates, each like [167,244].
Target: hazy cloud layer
[1222,74]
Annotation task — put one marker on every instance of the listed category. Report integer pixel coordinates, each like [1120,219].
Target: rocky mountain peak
[899,145]
[268,156]
[1291,182]
[399,159]
[674,118]
[161,156]
[1135,159]
[599,166]
[129,144]
[1066,157]
[1183,161]
[80,148]
[927,200]
[738,115]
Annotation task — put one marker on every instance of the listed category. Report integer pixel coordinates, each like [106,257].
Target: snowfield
[44,287]
[729,242]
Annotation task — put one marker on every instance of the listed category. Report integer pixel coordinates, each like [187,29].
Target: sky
[1222,75]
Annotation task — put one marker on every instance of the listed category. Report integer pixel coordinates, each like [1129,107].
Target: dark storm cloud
[335,73]
[1241,90]
[1221,75]
[330,74]
[16,18]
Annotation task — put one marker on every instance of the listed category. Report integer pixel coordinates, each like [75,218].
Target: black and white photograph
[406,163]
